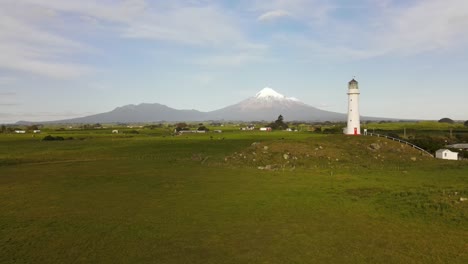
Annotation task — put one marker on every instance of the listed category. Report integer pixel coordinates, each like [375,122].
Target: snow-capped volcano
[267,104]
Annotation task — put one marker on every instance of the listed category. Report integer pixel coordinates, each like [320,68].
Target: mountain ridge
[267,104]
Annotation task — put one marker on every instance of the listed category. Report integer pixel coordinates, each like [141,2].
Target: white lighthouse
[354,122]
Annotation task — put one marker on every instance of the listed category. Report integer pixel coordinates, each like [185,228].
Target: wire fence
[401,141]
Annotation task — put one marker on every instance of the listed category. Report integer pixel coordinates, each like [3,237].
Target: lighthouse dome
[353,84]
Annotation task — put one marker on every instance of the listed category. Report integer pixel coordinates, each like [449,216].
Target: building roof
[352,81]
[443,150]
[458,146]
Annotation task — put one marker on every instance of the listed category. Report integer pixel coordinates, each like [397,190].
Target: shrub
[446,120]
[52,138]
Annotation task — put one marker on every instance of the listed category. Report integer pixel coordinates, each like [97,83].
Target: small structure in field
[248,128]
[446,154]
[458,146]
[37,131]
[115,131]
[20,132]
[188,132]
[267,129]
[218,131]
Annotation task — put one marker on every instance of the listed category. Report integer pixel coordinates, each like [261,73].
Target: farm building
[458,146]
[115,131]
[248,128]
[265,129]
[446,154]
[37,131]
[20,132]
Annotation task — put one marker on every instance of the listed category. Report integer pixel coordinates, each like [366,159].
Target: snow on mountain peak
[269,93]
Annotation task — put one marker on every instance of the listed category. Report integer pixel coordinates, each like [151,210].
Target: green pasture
[232,197]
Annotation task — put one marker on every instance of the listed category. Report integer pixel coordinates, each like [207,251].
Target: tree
[466,123]
[202,128]
[446,120]
[280,119]
[3,129]
[181,126]
[279,123]
[33,127]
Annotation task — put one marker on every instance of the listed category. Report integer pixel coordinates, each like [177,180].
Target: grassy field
[234,197]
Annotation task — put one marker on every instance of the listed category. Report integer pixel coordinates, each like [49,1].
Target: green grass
[150,198]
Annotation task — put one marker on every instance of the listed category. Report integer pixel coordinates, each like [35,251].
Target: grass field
[155,198]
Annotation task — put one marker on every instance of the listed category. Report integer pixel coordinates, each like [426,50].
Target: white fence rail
[401,141]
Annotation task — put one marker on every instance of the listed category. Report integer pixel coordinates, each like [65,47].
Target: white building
[354,122]
[115,131]
[446,154]
[265,129]
[20,132]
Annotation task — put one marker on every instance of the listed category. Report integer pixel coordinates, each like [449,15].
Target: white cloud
[35,35]
[425,26]
[308,11]
[273,15]
[391,30]
[231,60]
[27,47]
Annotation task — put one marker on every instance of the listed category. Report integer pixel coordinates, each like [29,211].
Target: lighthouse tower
[354,122]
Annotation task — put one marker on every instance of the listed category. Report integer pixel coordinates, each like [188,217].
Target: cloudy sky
[61,59]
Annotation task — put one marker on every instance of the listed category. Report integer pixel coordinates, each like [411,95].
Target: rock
[320,147]
[255,143]
[285,156]
[374,146]
[268,167]
[265,147]
[463,199]
[260,168]
[414,159]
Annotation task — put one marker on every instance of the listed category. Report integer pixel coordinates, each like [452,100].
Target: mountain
[268,104]
[139,114]
[265,105]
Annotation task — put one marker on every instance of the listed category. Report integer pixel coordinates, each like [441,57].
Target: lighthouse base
[354,131]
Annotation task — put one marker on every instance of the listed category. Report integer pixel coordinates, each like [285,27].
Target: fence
[401,141]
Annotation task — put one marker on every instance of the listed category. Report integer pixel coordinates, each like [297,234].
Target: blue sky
[61,59]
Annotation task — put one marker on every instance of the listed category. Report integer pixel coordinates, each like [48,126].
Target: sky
[63,59]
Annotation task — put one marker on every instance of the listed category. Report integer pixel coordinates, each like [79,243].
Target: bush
[431,144]
[466,123]
[446,120]
[52,138]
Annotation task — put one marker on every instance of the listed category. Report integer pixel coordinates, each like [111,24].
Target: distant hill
[265,105]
